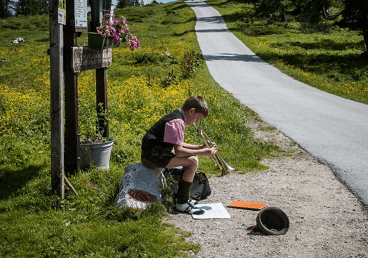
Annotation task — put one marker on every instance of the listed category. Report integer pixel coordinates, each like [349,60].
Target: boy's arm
[194,150]
[196,147]
[192,146]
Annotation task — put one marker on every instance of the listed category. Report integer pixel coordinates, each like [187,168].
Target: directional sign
[85,58]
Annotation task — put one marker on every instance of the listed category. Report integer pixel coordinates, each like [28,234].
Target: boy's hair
[198,103]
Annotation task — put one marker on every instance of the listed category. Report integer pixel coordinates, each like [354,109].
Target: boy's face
[193,117]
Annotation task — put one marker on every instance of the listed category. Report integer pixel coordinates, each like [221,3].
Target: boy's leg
[184,191]
[190,165]
[156,157]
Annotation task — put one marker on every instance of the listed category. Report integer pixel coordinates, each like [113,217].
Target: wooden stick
[70,185]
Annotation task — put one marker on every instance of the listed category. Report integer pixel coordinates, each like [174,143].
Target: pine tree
[6,8]
[355,17]
[31,7]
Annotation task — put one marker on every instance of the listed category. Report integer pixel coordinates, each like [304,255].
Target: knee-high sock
[184,191]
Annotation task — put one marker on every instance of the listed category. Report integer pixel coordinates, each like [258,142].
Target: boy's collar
[182,111]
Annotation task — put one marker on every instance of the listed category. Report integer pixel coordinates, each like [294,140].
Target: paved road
[333,129]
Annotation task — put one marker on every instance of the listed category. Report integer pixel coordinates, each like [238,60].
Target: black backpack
[200,188]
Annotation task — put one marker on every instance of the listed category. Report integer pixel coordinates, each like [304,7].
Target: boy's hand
[209,144]
[212,144]
[210,152]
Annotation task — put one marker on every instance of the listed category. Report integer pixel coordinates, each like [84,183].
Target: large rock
[138,186]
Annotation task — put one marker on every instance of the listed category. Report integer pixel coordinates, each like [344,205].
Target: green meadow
[143,85]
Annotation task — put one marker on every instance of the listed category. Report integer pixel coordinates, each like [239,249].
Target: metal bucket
[96,154]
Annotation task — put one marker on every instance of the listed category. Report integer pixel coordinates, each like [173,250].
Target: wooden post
[56,94]
[77,59]
[96,13]
[101,84]
[101,97]
[68,61]
[71,92]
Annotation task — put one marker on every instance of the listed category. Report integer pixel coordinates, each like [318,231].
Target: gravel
[326,219]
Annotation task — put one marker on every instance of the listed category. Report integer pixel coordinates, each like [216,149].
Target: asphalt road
[331,128]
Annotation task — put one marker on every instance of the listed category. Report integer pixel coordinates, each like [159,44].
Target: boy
[168,134]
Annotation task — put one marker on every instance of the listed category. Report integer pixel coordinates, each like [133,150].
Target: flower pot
[95,41]
[109,42]
[97,154]
[116,44]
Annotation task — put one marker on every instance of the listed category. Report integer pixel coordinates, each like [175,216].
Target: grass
[324,56]
[142,86]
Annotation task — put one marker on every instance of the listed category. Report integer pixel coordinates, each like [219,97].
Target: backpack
[200,189]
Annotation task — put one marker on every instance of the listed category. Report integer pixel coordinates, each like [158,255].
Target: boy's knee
[194,161]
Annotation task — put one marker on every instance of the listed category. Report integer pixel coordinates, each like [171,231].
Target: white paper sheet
[212,211]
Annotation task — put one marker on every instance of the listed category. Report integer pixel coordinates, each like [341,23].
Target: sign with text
[80,14]
[85,58]
[62,12]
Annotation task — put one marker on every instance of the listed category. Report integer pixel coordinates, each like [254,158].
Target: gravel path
[326,219]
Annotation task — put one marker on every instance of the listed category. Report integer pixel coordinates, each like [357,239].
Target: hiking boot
[189,208]
[193,201]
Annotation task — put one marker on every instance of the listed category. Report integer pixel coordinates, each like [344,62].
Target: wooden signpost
[56,92]
[68,19]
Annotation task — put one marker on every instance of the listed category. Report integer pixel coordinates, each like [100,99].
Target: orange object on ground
[247,205]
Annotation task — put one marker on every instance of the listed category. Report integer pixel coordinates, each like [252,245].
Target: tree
[31,7]
[136,3]
[355,17]
[311,11]
[123,3]
[272,9]
[316,11]
[6,8]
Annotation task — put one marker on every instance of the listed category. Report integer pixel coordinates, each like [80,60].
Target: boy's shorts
[157,157]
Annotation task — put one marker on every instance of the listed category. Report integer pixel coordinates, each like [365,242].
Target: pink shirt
[174,131]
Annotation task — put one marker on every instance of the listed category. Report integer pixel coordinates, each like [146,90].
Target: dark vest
[155,135]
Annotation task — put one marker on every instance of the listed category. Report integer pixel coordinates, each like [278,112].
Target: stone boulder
[138,186]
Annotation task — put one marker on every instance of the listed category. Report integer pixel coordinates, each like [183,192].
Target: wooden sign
[85,58]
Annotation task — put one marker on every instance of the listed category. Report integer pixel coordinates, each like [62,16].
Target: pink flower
[117,30]
[116,38]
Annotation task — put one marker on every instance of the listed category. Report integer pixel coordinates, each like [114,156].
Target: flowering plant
[94,130]
[117,30]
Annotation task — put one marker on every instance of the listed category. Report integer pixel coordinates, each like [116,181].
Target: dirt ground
[326,219]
